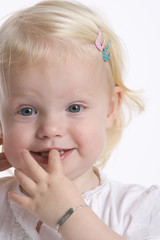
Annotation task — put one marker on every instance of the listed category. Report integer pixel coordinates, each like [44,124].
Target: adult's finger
[4,164]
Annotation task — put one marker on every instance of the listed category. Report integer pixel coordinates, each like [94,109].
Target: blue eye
[75,108]
[27,111]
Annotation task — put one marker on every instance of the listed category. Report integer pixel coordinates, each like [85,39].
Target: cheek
[14,140]
[91,136]
[11,148]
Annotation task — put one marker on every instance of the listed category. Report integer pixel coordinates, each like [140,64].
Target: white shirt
[133,211]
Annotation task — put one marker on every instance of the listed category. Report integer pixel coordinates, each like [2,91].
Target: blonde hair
[32,33]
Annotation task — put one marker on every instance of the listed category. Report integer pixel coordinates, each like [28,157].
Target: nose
[49,129]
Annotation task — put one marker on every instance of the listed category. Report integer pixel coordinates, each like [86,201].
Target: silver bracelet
[67,215]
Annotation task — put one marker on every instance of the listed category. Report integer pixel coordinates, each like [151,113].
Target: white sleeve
[154,225]
[147,216]
[6,185]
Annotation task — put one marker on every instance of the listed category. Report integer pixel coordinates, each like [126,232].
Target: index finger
[54,162]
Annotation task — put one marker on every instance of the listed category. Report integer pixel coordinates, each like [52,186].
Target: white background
[137,22]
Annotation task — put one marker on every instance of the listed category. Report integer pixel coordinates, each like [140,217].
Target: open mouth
[42,157]
[46,153]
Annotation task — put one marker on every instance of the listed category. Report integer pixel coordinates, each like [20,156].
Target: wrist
[68,214]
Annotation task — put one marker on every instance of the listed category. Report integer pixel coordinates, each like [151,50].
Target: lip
[43,160]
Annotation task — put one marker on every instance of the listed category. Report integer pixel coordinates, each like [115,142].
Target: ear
[114,107]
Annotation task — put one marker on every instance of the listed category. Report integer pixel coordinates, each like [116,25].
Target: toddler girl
[61,115]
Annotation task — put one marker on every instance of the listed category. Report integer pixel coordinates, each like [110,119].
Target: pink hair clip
[100,46]
[97,42]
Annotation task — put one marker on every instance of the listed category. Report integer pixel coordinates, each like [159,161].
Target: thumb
[54,162]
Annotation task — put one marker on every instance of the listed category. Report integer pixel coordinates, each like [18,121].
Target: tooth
[44,154]
[61,151]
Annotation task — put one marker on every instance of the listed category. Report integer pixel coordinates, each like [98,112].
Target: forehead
[75,61]
[73,71]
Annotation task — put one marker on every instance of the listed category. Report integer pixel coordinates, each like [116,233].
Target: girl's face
[58,107]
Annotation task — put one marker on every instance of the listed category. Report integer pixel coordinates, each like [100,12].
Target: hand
[50,194]
[4,164]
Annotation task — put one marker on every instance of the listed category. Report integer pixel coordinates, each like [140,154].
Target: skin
[59,108]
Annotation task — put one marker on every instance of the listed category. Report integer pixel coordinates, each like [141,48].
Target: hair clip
[97,42]
[100,46]
[105,55]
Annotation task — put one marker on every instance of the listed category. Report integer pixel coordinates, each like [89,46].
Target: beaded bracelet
[67,215]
